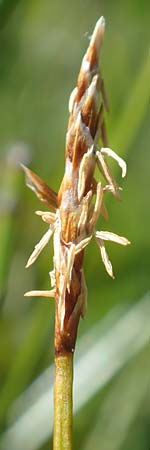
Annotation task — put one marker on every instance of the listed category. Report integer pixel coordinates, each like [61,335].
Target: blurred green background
[41,47]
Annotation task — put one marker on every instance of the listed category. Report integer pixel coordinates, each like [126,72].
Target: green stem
[63,402]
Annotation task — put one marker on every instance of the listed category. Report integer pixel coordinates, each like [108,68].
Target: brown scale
[90,109]
[84,79]
[76,145]
[69,226]
[65,340]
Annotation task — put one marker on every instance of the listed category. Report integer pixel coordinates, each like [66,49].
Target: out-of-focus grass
[10,195]
[135,109]
[41,50]
[6,8]
[121,406]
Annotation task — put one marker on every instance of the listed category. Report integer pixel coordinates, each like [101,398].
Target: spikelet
[75,213]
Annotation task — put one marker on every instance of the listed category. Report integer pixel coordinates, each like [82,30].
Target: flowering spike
[76,207]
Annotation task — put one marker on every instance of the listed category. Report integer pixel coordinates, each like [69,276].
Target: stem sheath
[63,402]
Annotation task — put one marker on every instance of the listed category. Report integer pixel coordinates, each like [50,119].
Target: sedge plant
[71,218]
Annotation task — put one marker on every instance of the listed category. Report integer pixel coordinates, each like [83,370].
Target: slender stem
[63,402]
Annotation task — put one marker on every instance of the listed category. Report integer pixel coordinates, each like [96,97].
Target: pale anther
[104,256]
[82,244]
[122,164]
[105,170]
[97,208]
[47,216]
[39,247]
[41,293]
[108,236]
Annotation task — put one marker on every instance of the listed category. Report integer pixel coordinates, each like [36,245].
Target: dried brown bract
[72,225]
